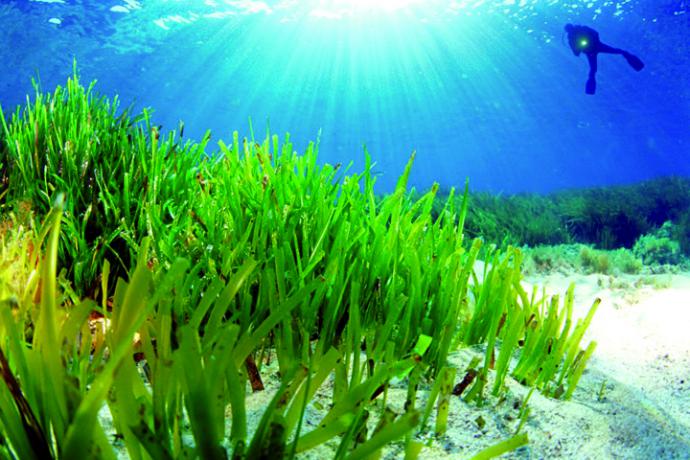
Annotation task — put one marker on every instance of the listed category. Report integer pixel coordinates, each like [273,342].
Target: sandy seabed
[633,401]
[642,358]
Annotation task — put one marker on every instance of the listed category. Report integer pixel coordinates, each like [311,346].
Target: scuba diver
[584,39]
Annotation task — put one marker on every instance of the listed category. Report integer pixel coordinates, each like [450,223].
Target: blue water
[480,89]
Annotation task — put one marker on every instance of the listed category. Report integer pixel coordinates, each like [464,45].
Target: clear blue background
[480,89]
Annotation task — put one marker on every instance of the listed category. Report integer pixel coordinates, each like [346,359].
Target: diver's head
[568,27]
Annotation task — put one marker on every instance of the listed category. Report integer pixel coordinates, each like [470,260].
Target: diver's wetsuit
[583,39]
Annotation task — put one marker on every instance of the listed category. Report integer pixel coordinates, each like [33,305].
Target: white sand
[642,360]
[643,355]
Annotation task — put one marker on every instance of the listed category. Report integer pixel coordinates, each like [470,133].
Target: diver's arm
[573,45]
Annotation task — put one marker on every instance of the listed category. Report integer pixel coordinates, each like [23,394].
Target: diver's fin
[635,62]
[591,86]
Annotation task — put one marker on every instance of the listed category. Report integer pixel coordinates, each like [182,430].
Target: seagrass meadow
[164,281]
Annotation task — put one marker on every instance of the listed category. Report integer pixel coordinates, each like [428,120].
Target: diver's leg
[604,48]
[634,62]
[591,86]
